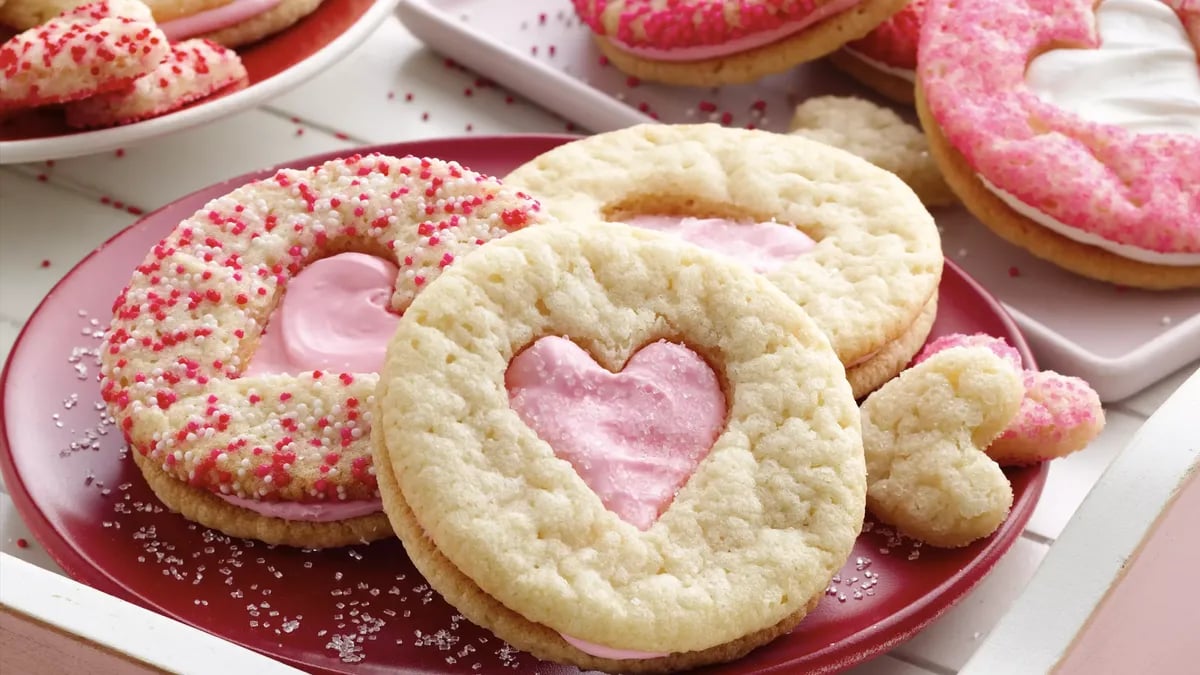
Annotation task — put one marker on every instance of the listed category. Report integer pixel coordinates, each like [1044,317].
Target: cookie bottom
[887,363]
[200,506]
[809,44]
[896,88]
[543,642]
[1082,259]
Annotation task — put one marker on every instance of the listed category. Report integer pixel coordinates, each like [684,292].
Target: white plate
[103,140]
[1120,340]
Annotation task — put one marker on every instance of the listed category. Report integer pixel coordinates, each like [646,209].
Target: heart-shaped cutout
[761,246]
[634,437]
[1143,76]
[924,435]
[334,317]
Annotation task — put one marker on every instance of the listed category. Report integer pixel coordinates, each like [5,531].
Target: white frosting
[1084,237]
[902,73]
[1143,77]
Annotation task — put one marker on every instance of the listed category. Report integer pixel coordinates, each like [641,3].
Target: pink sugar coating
[1057,413]
[1139,190]
[93,48]
[690,23]
[894,42]
[194,69]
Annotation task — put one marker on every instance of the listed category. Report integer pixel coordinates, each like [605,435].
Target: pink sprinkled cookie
[1045,124]
[194,69]
[92,49]
[231,23]
[715,42]
[249,410]
[1058,415]
[886,59]
[618,451]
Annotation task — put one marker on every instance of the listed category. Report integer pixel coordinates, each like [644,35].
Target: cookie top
[769,514]
[691,30]
[184,331]
[876,258]
[1074,137]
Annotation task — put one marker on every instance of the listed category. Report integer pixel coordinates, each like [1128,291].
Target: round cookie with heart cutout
[618,451]
[846,240]
[1046,126]
[886,59]
[242,357]
[715,42]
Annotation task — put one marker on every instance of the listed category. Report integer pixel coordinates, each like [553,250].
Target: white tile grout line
[922,663]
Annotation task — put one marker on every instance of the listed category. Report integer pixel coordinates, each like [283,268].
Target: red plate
[364,608]
[276,64]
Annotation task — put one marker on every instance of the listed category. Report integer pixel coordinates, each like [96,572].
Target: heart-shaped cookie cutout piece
[924,435]
[334,317]
[634,437]
[1142,76]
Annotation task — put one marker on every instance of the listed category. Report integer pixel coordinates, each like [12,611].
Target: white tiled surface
[58,213]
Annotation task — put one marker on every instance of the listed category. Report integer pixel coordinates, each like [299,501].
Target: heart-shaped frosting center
[634,437]
[334,317]
[1143,76]
[761,246]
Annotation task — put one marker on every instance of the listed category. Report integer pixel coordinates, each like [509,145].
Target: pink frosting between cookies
[634,437]
[608,652]
[215,19]
[688,30]
[1140,190]
[312,512]
[761,246]
[334,317]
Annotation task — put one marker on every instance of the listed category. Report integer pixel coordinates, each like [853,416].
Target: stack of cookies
[609,403]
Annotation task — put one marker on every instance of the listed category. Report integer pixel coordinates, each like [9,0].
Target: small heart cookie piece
[634,437]
[924,435]
[92,49]
[195,69]
[1059,414]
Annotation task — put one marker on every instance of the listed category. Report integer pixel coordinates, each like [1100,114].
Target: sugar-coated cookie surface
[886,59]
[94,48]
[748,542]
[924,435]
[715,42]
[192,317]
[193,70]
[1066,151]
[876,261]
[878,135]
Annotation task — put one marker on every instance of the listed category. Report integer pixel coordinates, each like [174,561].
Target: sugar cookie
[248,410]
[1059,414]
[886,59]
[91,49]
[545,449]
[878,135]
[924,435]
[847,241]
[1068,152]
[715,42]
[231,23]
[194,70]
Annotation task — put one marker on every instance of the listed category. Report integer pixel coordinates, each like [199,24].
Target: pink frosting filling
[761,246]
[668,50]
[314,512]
[634,437]
[334,317]
[215,19]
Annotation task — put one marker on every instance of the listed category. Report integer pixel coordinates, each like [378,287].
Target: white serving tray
[1119,340]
